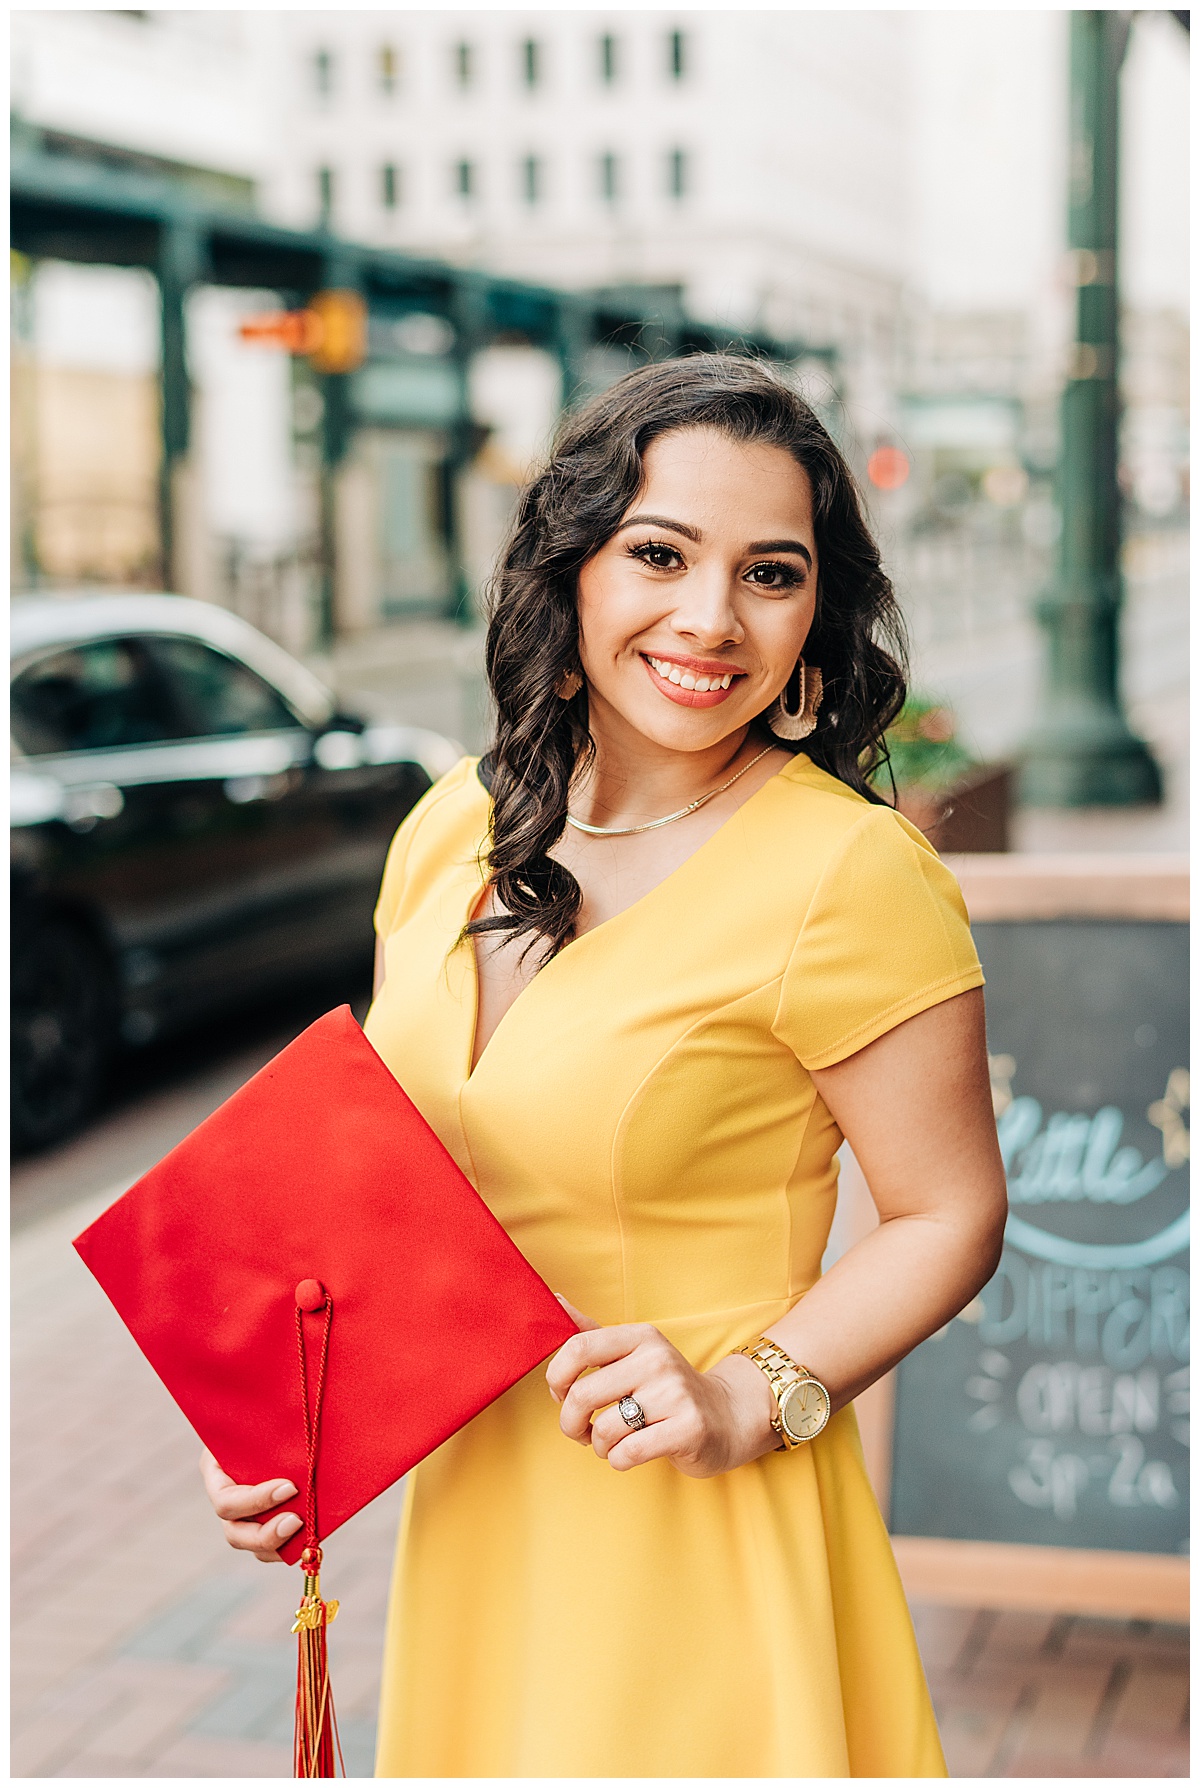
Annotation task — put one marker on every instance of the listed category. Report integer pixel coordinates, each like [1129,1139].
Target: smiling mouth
[683,679]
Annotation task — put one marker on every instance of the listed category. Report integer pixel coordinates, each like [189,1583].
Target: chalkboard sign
[1054,1410]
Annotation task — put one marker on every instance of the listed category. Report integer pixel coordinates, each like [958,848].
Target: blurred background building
[885,192]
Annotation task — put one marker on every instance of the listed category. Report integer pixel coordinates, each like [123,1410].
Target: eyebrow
[661,521]
[756,546]
[782,546]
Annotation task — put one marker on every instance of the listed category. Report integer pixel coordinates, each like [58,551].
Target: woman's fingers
[233,1502]
[609,1428]
[262,1539]
[577,1317]
[598,1347]
[658,1440]
[684,1422]
[596,1390]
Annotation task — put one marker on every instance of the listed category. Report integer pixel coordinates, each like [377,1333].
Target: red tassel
[317,1741]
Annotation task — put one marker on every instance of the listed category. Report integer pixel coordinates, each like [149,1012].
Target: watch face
[804,1409]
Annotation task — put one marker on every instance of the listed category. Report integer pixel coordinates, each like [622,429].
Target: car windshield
[92,697]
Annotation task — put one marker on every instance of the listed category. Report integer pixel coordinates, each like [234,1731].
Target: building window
[389,186]
[678,173]
[466,182]
[676,55]
[464,64]
[387,68]
[531,62]
[533,179]
[325,184]
[609,173]
[322,71]
[608,59]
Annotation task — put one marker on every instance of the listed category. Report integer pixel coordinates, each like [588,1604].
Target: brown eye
[774,576]
[657,554]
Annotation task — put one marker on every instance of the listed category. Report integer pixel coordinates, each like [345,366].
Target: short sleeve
[393,878]
[395,868]
[885,936]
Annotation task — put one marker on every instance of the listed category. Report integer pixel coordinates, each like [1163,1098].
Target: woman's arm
[916,1108]
[378,982]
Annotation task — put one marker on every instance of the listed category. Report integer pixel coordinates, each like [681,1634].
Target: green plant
[923,747]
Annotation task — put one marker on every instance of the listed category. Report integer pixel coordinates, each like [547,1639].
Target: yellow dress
[643,1125]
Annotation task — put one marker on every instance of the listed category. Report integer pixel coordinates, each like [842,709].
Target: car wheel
[62,1032]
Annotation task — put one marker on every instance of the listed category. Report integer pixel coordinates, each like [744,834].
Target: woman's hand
[235,1503]
[703,1422]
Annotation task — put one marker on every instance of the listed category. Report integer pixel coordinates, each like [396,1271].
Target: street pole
[1081,751]
[339,272]
[179,267]
[573,333]
[469,317]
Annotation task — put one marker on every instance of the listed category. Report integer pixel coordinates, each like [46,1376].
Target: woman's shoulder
[882,930]
[854,862]
[826,819]
[456,802]
[445,829]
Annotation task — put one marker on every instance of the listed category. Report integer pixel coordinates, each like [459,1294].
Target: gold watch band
[781,1372]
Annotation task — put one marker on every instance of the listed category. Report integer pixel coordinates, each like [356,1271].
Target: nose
[706,612]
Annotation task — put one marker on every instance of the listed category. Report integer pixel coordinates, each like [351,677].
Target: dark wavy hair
[564,516]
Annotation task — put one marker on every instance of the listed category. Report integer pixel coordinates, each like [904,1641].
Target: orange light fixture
[298,331]
[342,319]
[331,331]
[888,468]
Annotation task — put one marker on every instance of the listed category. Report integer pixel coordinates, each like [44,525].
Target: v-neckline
[473,1066]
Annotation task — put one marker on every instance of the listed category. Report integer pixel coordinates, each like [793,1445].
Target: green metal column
[24,559]
[1081,751]
[341,272]
[573,334]
[470,318]
[180,266]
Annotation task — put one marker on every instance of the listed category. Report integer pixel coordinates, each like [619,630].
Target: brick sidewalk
[143,1647]
[1056,1695]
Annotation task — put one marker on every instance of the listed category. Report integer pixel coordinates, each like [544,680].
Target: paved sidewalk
[1056,1695]
[143,1647]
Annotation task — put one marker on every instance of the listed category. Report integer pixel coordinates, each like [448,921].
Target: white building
[192,87]
[892,184]
[755,160]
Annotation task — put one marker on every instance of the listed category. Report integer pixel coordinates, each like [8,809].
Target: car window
[92,697]
[216,694]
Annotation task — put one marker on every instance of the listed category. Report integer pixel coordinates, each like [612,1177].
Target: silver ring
[631,1412]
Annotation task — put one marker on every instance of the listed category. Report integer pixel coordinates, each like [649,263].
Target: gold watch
[801,1401]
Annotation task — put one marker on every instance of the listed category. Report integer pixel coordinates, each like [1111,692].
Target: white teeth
[683,679]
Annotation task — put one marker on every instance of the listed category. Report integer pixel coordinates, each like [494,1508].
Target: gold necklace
[653,825]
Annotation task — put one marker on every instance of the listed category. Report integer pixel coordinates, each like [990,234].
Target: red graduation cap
[320,1287]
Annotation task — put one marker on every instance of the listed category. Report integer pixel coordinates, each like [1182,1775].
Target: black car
[193,823]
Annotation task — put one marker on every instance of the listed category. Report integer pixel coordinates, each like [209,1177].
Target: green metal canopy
[78,202]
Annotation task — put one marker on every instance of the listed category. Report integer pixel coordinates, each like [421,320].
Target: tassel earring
[793,714]
[568,686]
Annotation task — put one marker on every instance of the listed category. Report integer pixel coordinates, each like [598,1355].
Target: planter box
[971,814]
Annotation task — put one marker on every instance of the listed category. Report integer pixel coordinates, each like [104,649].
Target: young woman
[642,969]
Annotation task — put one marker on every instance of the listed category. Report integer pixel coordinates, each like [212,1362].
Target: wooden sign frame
[992,1574]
